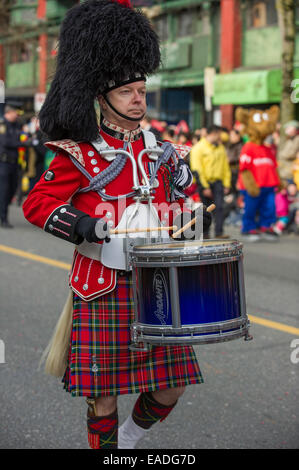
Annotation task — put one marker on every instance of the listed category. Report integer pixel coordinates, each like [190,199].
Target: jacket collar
[119,132]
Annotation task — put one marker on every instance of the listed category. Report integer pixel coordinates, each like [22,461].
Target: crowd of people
[214,159]
[23,158]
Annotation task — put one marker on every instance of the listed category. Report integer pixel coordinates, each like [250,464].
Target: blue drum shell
[207,293]
[209,290]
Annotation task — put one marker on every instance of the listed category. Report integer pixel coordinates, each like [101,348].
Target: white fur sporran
[56,353]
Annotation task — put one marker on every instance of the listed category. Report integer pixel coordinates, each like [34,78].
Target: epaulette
[182,150]
[68,146]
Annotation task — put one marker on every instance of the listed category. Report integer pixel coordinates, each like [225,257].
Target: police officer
[10,131]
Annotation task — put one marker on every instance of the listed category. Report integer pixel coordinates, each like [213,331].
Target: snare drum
[188,293]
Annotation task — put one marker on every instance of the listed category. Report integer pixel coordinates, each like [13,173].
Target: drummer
[78,200]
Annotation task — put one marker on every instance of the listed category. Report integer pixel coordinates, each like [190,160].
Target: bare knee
[168,396]
[105,405]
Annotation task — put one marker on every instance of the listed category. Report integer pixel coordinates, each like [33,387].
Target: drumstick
[192,222]
[136,230]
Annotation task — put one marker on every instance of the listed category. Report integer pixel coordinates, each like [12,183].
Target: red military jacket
[55,204]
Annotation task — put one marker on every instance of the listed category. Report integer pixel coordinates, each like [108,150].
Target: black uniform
[40,150]
[9,143]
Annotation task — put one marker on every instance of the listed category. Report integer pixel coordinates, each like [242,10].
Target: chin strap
[122,115]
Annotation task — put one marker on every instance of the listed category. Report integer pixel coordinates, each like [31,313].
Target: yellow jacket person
[209,162]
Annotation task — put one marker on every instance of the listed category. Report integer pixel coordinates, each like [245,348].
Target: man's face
[11,115]
[234,137]
[291,131]
[214,137]
[129,100]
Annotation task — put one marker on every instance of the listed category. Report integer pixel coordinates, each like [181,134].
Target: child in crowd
[283,200]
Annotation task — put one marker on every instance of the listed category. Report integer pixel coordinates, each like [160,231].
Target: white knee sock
[129,434]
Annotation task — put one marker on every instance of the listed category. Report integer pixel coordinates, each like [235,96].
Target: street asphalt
[250,395]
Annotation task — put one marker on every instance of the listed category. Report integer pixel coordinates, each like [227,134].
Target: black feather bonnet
[101,42]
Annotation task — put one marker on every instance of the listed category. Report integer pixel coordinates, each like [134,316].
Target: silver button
[108,215]
[90,153]
[85,287]
[101,280]
[96,169]
[103,190]
[63,210]
[51,227]
[110,223]
[93,161]
[76,279]
[156,183]
[55,218]
[165,215]
[94,368]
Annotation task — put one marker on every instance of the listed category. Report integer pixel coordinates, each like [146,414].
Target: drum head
[204,249]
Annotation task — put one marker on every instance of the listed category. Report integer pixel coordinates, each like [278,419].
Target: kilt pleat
[100,362]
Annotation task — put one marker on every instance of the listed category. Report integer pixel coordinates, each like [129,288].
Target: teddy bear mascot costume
[102,180]
[258,176]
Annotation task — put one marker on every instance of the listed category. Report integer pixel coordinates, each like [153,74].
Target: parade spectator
[10,131]
[195,138]
[231,208]
[224,136]
[273,139]
[184,138]
[23,159]
[240,127]
[233,152]
[209,163]
[296,171]
[146,125]
[181,127]
[287,154]
[283,200]
[168,134]
[40,151]
[293,226]
[202,132]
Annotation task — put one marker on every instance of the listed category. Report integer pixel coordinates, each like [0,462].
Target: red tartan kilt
[100,362]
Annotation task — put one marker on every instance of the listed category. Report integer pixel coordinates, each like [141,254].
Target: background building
[28,41]
[217,54]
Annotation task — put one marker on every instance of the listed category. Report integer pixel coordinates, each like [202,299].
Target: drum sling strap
[98,183]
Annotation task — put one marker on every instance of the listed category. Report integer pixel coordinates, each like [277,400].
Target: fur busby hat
[102,44]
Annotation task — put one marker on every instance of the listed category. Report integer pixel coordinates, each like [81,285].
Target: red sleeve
[246,158]
[63,181]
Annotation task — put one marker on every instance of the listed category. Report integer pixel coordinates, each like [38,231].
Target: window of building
[262,13]
[259,15]
[203,25]
[186,22]
[24,2]
[272,17]
[160,25]
[20,52]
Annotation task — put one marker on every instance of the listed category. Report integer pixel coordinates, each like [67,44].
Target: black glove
[92,229]
[185,217]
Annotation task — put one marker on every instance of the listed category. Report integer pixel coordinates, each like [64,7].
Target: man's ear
[102,102]
[242,115]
